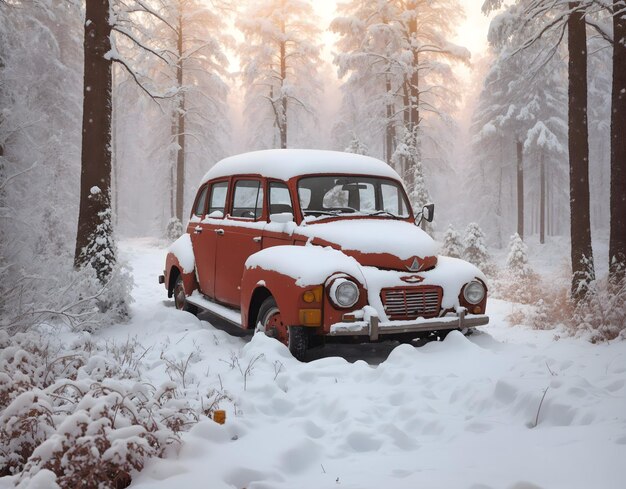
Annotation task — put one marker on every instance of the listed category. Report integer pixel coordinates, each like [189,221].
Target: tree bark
[617,240]
[578,135]
[180,158]
[95,180]
[390,133]
[542,198]
[520,189]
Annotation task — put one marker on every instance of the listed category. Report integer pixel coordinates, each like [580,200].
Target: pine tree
[357,146]
[475,250]
[517,259]
[452,244]
[280,59]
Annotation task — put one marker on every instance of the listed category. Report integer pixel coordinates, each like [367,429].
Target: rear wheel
[180,297]
[270,322]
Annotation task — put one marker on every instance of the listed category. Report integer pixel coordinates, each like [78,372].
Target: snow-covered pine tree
[517,259]
[180,53]
[396,57]
[475,249]
[280,59]
[357,146]
[452,244]
[408,152]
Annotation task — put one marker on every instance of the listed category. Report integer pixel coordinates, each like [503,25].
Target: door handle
[257,239]
[219,232]
[197,230]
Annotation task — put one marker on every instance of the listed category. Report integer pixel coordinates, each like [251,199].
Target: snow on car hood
[362,237]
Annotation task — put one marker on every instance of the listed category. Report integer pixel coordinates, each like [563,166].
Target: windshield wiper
[380,213]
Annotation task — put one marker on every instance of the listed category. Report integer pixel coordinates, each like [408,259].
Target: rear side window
[280,200]
[248,199]
[217,201]
[201,202]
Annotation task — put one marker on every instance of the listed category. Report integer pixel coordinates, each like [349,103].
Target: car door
[204,236]
[239,237]
[279,202]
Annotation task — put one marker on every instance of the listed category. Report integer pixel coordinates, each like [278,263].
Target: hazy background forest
[338,105]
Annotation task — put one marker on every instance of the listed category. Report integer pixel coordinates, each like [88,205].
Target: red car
[306,243]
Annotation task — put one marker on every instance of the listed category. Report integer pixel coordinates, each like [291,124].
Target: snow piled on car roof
[284,164]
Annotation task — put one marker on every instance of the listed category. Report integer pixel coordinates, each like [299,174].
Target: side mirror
[281,217]
[428,212]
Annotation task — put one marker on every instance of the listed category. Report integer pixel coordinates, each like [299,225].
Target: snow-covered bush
[174,229]
[53,291]
[475,250]
[452,244]
[84,414]
[602,314]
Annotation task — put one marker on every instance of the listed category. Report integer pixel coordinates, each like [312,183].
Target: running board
[227,314]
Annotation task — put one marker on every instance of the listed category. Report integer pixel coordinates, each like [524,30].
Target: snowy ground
[454,414]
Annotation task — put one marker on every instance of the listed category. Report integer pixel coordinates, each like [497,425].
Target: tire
[269,322]
[180,297]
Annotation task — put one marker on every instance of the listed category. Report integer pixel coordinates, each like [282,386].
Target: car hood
[382,243]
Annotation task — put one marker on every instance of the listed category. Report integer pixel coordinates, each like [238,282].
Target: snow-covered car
[305,243]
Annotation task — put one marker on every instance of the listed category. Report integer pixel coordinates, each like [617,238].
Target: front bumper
[374,328]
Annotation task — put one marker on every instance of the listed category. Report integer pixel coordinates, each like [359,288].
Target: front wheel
[270,322]
[180,297]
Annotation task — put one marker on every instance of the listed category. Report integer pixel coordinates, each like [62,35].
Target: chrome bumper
[375,328]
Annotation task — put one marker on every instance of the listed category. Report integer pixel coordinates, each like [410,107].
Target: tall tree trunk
[283,77]
[390,132]
[520,189]
[617,241]
[94,236]
[180,159]
[578,136]
[542,198]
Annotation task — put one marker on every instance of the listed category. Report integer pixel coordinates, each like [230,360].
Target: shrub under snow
[174,229]
[82,418]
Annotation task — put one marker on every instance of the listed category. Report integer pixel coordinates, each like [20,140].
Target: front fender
[180,260]
[286,272]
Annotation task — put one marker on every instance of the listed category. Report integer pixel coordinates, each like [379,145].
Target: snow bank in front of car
[288,163]
[308,265]
[183,251]
[399,238]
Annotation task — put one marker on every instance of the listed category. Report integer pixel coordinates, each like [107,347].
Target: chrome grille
[407,303]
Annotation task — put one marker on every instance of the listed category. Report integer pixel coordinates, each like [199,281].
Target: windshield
[338,195]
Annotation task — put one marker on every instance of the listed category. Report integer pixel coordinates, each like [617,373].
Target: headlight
[344,293]
[474,292]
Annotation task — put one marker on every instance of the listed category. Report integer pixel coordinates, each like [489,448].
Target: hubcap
[179,296]
[273,325]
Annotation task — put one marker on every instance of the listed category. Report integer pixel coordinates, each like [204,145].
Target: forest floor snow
[461,413]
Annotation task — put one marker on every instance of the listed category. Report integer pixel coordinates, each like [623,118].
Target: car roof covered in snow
[284,164]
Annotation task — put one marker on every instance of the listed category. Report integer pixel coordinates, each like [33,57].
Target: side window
[201,202]
[217,202]
[248,199]
[280,200]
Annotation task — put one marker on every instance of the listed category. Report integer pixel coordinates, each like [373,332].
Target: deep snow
[453,414]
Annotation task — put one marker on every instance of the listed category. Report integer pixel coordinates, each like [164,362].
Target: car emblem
[415,266]
[412,279]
